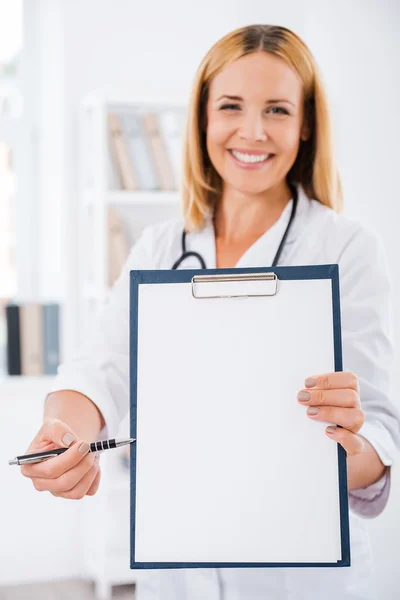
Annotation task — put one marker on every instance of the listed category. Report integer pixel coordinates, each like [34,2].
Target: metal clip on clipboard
[243,277]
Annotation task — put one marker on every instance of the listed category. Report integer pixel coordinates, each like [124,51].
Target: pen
[93,447]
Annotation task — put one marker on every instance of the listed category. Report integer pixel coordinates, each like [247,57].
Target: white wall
[91,44]
[357,46]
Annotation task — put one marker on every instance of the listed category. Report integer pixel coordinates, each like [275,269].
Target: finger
[347,398]
[95,485]
[56,431]
[83,485]
[333,381]
[349,418]
[68,479]
[55,467]
[352,443]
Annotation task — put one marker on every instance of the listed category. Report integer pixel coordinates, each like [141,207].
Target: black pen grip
[94,446]
[102,445]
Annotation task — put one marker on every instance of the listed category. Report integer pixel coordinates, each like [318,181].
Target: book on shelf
[31,335]
[32,338]
[113,170]
[139,151]
[51,338]
[145,148]
[162,161]
[171,126]
[119,146]
[13,339]
[118,246]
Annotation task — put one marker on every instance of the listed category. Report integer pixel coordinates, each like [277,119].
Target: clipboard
[227,470]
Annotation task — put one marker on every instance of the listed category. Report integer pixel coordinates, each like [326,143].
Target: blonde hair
[314,168]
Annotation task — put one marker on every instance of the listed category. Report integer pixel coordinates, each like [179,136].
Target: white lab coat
[318,236]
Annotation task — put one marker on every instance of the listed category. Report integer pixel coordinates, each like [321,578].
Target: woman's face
[254,122]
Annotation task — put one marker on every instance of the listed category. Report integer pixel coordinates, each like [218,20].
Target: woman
[260,187]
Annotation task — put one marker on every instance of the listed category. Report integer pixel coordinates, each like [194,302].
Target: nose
[252,128]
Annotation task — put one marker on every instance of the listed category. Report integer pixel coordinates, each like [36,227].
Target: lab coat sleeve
[367,342]
[371,501]
[100,369]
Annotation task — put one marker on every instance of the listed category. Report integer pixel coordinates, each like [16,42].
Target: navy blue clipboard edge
[185,276]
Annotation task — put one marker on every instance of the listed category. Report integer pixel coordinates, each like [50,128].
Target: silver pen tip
[14,461]
[119,443]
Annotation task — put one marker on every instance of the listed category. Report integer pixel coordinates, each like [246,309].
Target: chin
[252,190]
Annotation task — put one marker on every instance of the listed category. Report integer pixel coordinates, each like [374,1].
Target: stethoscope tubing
[188,254]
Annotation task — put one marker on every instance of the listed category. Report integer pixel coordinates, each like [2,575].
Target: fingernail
[331,429]
[310,382]
[83,448]
[312,410]
[97,456]
[68,439]
[304,396]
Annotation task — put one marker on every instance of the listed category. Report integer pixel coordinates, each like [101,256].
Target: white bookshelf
[132,199]
[107,525]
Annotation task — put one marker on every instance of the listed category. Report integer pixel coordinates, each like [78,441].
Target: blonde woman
[260,188]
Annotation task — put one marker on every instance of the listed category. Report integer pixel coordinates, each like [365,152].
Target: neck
[239,216]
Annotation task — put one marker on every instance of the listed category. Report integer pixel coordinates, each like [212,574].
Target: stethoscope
[188,254]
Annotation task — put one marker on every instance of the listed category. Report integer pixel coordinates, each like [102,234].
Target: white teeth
[250,158]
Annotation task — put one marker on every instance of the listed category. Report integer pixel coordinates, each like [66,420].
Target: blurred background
[92,105]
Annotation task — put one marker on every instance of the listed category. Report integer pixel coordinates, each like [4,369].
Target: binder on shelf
[171,126]
[139,152]
[118,247]
[113,172]
[33,345]
[31,330]
[119,147]
[162,161]
[13,340]
[231,357]
[51,345]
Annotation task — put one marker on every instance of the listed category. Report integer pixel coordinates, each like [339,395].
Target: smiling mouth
[250,159]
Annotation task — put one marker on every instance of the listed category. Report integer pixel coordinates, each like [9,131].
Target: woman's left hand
[335,397]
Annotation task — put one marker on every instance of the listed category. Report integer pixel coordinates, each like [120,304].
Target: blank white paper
[229,467]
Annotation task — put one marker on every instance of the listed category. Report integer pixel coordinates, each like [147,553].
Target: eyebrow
[271,101]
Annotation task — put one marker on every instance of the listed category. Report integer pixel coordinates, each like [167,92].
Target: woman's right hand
[74,474]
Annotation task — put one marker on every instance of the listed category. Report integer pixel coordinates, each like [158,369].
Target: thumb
[56,432]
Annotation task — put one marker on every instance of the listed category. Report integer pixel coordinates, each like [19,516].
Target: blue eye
[284,111]
[225,106]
